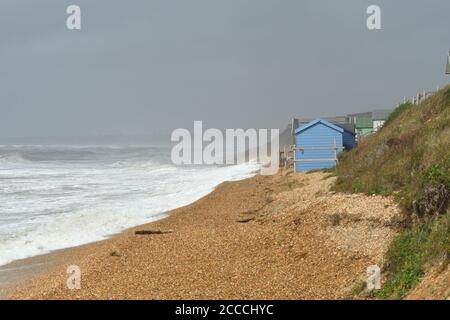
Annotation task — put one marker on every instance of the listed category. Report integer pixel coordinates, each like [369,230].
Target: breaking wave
[55,197]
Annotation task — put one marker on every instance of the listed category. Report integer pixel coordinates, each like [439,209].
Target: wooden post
[335,150]
[294,156]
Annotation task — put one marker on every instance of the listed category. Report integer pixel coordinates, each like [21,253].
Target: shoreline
[265,237]
[15,274]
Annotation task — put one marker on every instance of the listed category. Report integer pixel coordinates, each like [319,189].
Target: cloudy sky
[150,66]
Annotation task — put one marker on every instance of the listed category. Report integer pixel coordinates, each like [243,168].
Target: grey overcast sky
[150,66]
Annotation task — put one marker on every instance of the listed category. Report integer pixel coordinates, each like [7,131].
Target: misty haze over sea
[62,192]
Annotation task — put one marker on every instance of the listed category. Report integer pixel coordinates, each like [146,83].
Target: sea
[56,195]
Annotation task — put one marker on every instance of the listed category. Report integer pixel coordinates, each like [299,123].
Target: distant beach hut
[318,143]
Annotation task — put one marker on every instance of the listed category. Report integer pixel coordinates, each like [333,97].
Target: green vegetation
[291,184]
[412,252]
[398,111]
[438,174]
[358,288]
[409,158]
[409,154]
[320,170]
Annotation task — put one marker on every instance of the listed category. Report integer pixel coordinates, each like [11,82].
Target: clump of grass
[438,173]
[320,193]
[326,170]
[335,219]
[328,176]
[412,252]
[358,288]
[291,184]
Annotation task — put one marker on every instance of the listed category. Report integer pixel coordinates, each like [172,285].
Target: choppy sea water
[59,196]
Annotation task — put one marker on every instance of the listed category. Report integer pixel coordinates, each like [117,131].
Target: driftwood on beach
[148,232]
[245,220]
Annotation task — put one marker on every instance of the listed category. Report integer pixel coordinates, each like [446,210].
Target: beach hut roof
[339,121]
[325,122]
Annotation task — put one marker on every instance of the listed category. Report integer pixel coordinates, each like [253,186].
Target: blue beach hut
[318,143]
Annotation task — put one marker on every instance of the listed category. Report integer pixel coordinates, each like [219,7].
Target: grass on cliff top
[408,155]
[410,152]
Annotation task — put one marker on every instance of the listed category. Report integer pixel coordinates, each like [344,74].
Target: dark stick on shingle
[147,232]
[245,220]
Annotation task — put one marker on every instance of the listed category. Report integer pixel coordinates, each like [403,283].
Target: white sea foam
[53,204]
[12,158]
